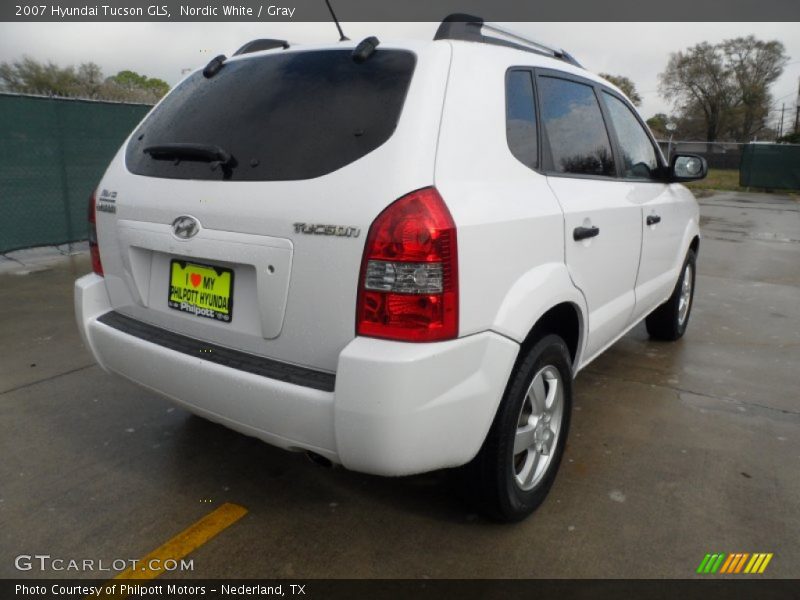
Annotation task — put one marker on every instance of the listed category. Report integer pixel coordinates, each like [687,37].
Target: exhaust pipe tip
[319,460]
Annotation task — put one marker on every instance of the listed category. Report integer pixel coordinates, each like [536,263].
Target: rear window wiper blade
[190,151]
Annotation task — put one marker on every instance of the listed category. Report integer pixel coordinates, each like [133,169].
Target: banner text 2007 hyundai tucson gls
[396,259]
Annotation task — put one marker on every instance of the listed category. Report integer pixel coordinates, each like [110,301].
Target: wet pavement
[676,450]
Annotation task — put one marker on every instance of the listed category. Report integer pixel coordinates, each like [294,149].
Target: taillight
[94,249]
[408,288]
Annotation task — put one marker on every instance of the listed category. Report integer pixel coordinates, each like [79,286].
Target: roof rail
[259,45]
[470,28]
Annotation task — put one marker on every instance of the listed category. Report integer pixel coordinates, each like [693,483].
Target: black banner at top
[399,10]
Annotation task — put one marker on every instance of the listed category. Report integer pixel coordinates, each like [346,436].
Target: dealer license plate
[201,290]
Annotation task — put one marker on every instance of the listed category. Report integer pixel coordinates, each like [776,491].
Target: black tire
[665,322]
[492,475]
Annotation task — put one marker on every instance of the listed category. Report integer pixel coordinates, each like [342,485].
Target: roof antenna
[342,36]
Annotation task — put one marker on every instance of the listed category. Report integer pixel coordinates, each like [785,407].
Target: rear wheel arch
[483,478]
[544,300]
[497,479]
[564,320]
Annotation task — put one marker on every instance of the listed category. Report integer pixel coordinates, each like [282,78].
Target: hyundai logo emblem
[185,227]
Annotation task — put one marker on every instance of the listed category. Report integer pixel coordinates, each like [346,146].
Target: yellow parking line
[186,542]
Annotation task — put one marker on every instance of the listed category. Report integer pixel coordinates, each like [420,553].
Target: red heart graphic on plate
[195,278]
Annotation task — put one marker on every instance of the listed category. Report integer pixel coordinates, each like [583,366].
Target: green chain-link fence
[771,166]
[52,155]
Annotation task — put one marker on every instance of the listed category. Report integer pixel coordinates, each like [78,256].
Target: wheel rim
[685,298]
[538,428]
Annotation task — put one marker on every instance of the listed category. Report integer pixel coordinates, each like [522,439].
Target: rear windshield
[287,116]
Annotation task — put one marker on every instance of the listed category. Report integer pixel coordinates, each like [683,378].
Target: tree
[89,80]
[132,86]
[726,85]
[699,78]
[132,81]
[658,124]
[790,138]
[28,76]
[626,85]
[128,79]
[754,65]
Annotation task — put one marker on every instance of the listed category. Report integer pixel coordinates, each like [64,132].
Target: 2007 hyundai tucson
[395,256]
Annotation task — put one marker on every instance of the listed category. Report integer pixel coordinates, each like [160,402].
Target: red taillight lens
[94,249]
[408,289]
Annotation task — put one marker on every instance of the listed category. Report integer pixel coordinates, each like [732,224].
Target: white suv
[395,256]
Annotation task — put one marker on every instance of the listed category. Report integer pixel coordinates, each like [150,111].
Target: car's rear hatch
[318,146]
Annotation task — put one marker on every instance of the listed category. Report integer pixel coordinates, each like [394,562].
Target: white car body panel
[660,264]
[608,289]
[497,247]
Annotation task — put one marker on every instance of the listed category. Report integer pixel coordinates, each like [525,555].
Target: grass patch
[718,179]
[727,180]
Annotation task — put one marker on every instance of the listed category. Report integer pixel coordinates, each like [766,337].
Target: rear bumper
[395,409]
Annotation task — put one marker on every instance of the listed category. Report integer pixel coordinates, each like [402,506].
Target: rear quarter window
[521,117]
[289,116]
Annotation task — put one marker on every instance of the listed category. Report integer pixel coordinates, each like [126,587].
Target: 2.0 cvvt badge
[185,227]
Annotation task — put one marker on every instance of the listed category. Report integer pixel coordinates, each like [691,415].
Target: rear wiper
[183,151]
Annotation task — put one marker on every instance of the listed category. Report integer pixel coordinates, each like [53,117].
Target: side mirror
[687,167]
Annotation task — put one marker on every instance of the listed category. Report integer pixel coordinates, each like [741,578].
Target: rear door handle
[582,233]
[653,219]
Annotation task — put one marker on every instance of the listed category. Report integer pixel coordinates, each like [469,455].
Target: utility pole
[780,129]
[797,109]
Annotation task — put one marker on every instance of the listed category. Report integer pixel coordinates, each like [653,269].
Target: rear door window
[576,132]
[288,116]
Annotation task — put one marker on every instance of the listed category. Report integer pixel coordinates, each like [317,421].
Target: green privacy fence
[771,166]
[53,152]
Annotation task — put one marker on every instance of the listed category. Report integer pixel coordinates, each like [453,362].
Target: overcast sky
[638,50]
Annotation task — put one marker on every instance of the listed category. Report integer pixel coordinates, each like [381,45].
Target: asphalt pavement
[676,449]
